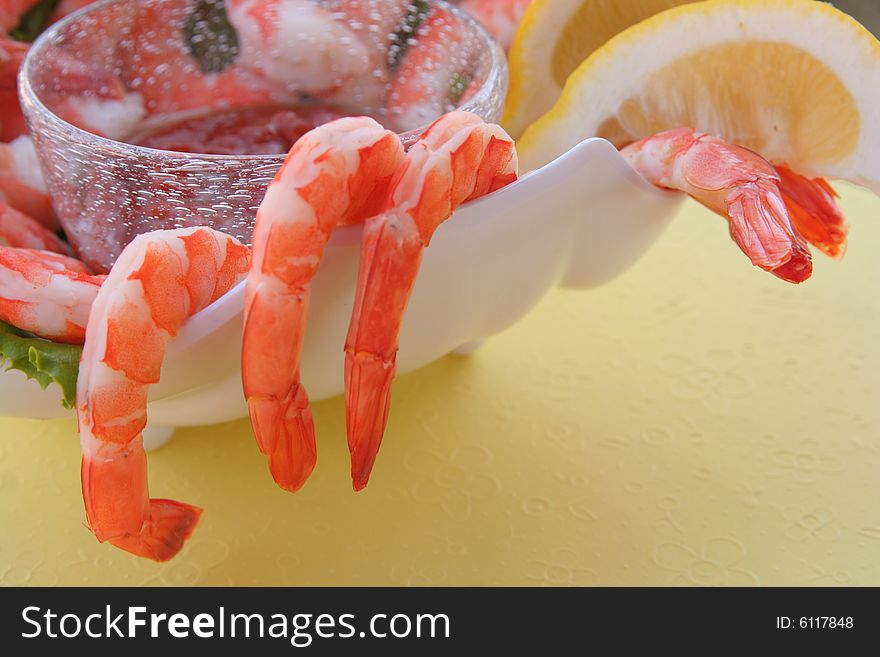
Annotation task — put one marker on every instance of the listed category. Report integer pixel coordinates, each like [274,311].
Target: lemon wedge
[555,36]
[794,80]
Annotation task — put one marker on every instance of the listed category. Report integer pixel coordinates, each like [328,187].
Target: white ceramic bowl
[577,222]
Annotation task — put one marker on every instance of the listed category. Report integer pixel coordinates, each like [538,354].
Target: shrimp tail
[760,226]
[285,433]
[367,401]
[156,532]
[391,252]
[277,402]
[163,534]
[814,212]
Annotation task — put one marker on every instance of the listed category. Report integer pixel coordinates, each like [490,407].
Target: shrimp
[458,159]
[19,230]
[12,123]
[22,185]
[329,49]
[105,117]
[499,17]
[337,173]
[734,182]
[48,294]
[159,66]
[377,22]
[159,280]
[433,75]
[65,72]
[383,27]
[299,45]
[813,211]
[21,181]
[88,97]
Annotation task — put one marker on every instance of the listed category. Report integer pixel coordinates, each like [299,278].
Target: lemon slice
[795,80]
[555,36]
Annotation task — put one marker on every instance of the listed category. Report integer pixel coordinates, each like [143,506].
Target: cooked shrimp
[377,21]
[433,76]
[19,230]
[159,280]
[21,181]
[337,173]
[90,98]
[11,12]
[48,294]
[158,66]
[64,73]
[499,17]
[813,211]
[106,117]
[298,44]
[734,182]
[22,185]
[458,159]
[384,28]
[12,123]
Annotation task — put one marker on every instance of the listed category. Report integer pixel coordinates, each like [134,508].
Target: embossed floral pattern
[562,567]
[715,372]
[810,523]
[414,574]
[717,563]
[807,462]
[28,569]
[458,481]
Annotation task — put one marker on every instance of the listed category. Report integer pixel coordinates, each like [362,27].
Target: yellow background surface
[694,422]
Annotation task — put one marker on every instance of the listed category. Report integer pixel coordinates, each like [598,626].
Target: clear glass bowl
[117,64]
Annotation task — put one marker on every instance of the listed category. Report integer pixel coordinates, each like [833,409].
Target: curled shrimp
[48,294]
[298,44]
[159,280]
[159,67]
[81,94]
[20,230]
[737,184]
[377,21]
[63,76]
[457,159]
[21,181]
[383,27]
[337,173]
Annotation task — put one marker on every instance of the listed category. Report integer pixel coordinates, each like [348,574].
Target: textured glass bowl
[106,191]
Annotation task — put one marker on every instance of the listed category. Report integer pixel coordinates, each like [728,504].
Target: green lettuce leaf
[210,37]
[42,360]
[458,85]
[416,14]
[34,21]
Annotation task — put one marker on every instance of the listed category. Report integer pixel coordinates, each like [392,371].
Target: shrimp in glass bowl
[178,60]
